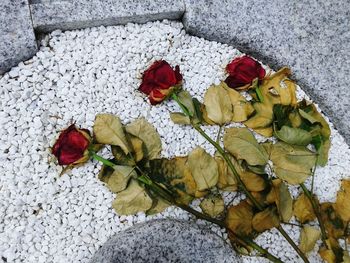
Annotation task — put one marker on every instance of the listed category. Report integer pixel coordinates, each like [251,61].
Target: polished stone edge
[68,15]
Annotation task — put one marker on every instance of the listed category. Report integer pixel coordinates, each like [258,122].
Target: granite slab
[310,36]
[17,39]
[166,240]
[74,14]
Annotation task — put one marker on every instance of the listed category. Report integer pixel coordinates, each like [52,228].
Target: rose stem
[316,208]
[241,183]
[167,196]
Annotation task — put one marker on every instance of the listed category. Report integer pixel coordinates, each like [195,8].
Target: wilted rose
[159,80]
[72,146]
[243,71]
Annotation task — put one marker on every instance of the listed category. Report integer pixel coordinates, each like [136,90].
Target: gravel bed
[74,76]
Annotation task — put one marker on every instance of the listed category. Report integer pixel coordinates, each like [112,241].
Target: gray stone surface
[73,14]
[310,36]
[17,39]
[165,240]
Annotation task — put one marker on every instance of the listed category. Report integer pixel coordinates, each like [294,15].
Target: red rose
[243,71]
[72,146]
[159,80]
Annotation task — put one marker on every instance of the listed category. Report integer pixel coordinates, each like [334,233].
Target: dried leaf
[335,226]
[262,118]
[139,149]
[226,180]
[342,205]
[148,134]
[116,178]
[333,255]
[158,206]
[308,237]
[253,182]
[294,136]
[179,118]
[303,210]
[241,143]
[121,158]
[186,100]
[109,130]
[280,195]
[132,200]
[239,219]
[203,168]
[176,175]
[217,104]
[242,109]
[213,205]
[265,220]
[292,163]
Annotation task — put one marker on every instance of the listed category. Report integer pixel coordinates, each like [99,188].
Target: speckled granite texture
[50,15]
[166,241]
[310,36]
[17,39]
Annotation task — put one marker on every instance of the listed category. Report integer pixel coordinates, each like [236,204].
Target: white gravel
[46,218]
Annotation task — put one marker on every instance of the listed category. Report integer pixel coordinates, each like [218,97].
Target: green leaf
[116,178]
[132,200]
[294,136]
[148,134]
[109,130]
[213,205]
[307,116]
[204,169]
[186,100]
[218,104]
[241,143]
[179,118]
[308,237]
[279,194]
[292,163]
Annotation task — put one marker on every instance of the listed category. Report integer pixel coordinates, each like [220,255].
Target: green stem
[183,108]
[316,208]
[164,193]
[219,134]
[259,94]
[245,190]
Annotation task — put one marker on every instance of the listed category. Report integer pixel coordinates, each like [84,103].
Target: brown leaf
[342,204]
[116,178]
[265,220]
[253,182]
[303,210]
[226,180]
[239,218]
[335,226]
[158,206]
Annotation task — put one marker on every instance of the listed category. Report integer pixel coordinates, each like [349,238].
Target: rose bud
[243,71]
[72,146]
[160,80]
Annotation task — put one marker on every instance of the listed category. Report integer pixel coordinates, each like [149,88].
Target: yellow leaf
[280,195]
[292,163]
[179,118]
[226,180]
[109,130]
[342,205]
[203,168]
[213,205]
[239,218]
[263,116]
[265,220]
[242,109]
[308,237]
[218,105]
[303,210]
[132,200]
[142,129]
[241,143]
